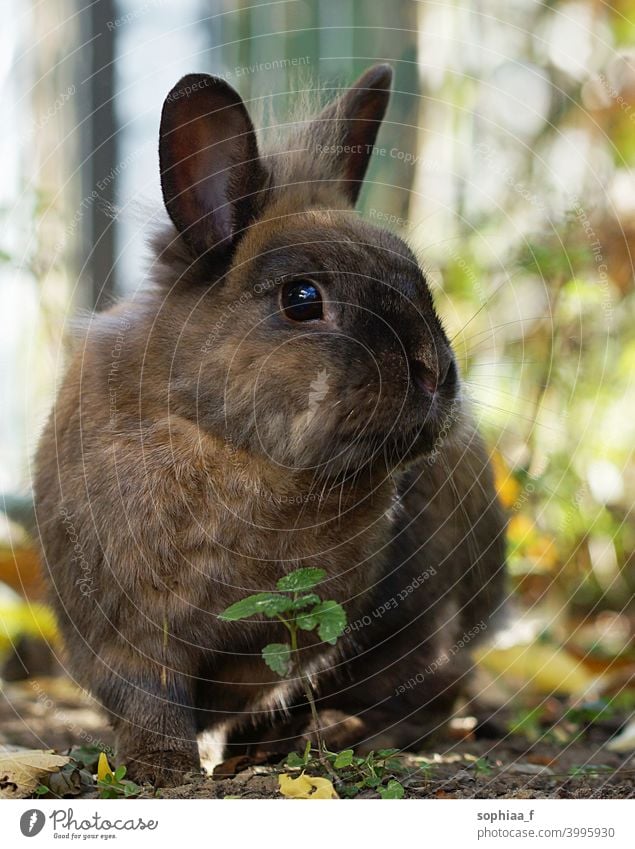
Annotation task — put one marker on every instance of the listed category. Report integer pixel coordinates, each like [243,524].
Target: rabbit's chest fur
[175,525]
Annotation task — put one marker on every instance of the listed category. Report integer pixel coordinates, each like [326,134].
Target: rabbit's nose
[429,376]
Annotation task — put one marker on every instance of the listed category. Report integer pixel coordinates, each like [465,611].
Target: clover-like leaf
[277,656]
[301,580]
[393,790]
[344,758]
[331,618]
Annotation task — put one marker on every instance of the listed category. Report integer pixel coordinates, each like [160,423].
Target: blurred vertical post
[98,149]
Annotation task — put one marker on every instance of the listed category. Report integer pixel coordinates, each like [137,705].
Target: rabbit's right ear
[210,168]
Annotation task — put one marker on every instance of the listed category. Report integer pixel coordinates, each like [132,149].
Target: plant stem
[306,684]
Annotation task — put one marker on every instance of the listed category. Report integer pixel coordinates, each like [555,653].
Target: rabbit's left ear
[353,120]
[211,172]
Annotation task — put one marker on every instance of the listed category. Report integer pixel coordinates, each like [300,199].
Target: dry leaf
[547,669]
[306,787]
[21,772]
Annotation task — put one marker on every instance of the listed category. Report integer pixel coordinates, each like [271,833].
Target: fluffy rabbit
[281,395]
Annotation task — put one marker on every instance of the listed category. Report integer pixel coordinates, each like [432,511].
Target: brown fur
[180,471]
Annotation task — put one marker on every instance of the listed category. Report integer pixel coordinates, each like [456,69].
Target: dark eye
[301,301]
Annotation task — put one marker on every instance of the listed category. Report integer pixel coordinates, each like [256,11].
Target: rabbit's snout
[432,375]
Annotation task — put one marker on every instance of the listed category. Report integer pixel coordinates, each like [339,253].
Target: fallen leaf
[306,787]
[528,769]
[544,668]
[69,781]
[21,772]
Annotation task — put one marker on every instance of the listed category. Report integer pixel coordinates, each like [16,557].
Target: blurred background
[506,161]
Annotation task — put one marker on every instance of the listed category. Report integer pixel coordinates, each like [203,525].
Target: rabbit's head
[305,335]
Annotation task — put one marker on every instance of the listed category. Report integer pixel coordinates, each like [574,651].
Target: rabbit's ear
[356,117]
[208,156]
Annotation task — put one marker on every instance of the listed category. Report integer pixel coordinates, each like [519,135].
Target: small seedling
[528,723]
[353,773]
[297,606]
[393,790]
[482,766]
[298,610]
[114,785]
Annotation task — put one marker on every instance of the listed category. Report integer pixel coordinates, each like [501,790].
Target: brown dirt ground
[484,763]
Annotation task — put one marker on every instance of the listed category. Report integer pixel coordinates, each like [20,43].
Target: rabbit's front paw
[161,768]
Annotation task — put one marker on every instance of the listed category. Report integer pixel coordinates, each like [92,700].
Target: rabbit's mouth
[401,443]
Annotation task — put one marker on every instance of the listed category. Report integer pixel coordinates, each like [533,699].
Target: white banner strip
[274,823]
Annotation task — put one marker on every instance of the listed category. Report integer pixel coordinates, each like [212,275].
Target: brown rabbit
[281,395]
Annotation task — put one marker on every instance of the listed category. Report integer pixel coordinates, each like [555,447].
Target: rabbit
[280,394]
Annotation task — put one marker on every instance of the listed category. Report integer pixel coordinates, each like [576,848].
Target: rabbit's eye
[301,301]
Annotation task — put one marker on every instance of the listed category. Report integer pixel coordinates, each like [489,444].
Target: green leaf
[331,620]
[120,772]
[393,790]
[87,755]
[305,601]
[301,580]
[277,656]
[131,789]
[344,758]
[267,603]
[348,790]
[41,790]
[386,753]
[306,621]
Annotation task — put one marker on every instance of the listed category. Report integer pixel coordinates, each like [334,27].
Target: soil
[478,759]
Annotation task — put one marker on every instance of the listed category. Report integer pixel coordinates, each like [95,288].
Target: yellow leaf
[546,669]
[507,486]
[543,552]
[306,787]
[103,767]
[25,619]
[22,771]
[520,529]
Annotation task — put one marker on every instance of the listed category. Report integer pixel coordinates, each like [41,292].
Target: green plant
[482,767]
[297,610]
[528,723]
[590,713]
[297,606]
[352,773]
[589,770]
[114,785]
